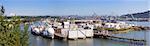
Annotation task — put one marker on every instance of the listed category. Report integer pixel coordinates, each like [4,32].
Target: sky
[74,7]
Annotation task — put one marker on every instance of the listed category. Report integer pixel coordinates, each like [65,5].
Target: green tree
[10,33]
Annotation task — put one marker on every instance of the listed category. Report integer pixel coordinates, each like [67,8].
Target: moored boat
[43,29]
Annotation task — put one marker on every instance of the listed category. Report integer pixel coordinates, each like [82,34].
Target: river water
[40,41]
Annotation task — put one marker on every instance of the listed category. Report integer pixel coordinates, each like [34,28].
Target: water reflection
[148,38]
[40,41]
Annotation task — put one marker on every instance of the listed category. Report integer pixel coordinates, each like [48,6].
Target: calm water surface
[40,41]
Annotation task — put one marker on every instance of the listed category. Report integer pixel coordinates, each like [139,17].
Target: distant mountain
[145,14]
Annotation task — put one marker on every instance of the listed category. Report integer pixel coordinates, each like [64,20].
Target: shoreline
[124,30]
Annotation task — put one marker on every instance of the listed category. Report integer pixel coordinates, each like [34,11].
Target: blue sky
[74,7]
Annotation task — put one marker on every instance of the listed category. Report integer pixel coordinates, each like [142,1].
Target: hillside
[145,14]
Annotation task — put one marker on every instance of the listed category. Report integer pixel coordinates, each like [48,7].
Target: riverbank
[140,28]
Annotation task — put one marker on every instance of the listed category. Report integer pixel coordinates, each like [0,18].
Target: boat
[43,29]
[48,32]
[36,29]
[88,30]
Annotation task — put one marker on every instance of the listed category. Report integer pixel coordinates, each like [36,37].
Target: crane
[132,17]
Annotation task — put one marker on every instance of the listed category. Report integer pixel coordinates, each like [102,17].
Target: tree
[10,33]
[2,10]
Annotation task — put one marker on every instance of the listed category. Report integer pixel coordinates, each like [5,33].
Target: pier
[111,37]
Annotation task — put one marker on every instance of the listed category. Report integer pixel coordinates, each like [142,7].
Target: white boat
[48,32]
[43,29]
[35,29]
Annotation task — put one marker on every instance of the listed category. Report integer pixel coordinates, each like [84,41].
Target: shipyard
[73,29]
[74,23]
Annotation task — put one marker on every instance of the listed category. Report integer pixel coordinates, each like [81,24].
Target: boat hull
[47,34]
